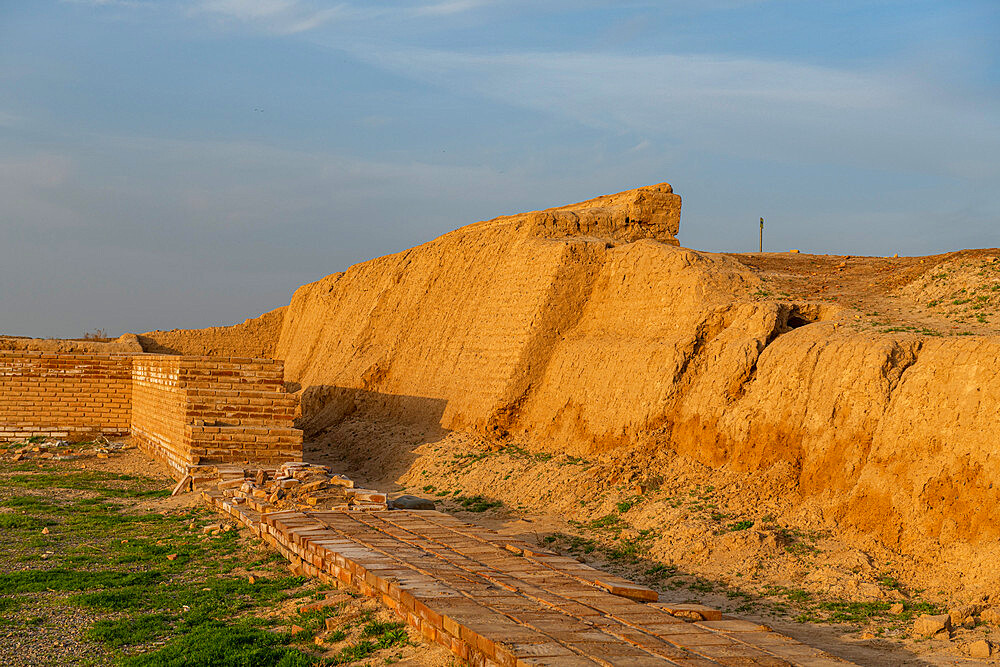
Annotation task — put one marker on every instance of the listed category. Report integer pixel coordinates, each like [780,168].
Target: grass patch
[23,522]
[72,580]
[606,522]
[633,548]
[110,485]
[130,631]
[222,646]
[626,505]
[377,635]
[572,542]
[8,605]
[661,570]
[110,552]
[477,503]
[28,503]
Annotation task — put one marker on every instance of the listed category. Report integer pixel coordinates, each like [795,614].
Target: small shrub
[477,503]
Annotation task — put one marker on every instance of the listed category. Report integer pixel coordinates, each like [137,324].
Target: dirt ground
[955,293]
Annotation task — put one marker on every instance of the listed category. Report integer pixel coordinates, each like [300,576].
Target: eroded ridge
[492,600]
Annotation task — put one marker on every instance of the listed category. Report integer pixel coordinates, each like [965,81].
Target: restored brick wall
[72,396]
[158,409]
[198,410]
[181,410]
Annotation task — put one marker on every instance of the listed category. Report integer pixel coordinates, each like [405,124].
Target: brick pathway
[497,601]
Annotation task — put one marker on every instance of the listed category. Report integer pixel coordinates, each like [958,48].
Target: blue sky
[187,163]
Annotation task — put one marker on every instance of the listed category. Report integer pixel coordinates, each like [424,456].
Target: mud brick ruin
[863,390]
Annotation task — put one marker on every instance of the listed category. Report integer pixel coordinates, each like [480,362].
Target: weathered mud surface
[872,384]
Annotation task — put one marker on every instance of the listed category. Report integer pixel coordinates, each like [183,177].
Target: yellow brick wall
[71,396]
[181,410]
[196,410]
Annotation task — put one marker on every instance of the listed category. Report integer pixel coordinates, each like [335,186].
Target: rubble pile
[291,486]
[61,450]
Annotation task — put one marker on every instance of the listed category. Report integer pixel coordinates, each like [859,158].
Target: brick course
[71,396]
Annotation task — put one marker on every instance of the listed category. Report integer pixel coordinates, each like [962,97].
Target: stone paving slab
[494,601]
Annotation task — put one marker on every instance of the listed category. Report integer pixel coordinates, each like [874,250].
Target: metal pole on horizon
[762,234]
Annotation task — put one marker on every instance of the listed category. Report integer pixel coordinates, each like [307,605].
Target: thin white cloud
[310,21]
[451,7]
[641,146]
[284,17]
[749,108]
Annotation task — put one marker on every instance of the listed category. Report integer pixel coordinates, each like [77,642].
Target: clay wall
[70,396]
[255,337]
[584,344]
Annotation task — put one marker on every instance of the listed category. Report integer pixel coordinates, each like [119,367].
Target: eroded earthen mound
[586,328]
[255,337]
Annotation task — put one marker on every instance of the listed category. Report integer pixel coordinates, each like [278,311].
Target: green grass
[129,631]
[33,581]
[790,594]
[606,522]
[109,557]
[220,645]
[661,570]
[860,613]
[572,542]
[626,505]
[23,522]
[631,549]
[9,604]
[28,503]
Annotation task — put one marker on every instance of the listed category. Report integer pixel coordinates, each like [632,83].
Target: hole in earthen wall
[801,314]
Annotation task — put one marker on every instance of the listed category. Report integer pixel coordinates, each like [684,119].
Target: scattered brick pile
[292,485]
[60,450]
